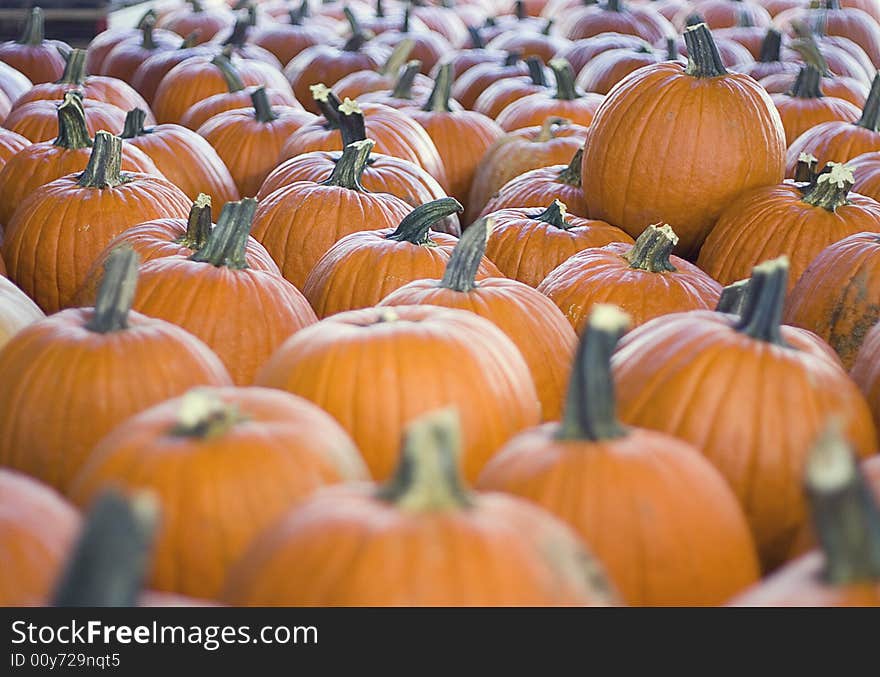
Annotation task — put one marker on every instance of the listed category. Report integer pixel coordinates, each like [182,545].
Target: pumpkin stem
[110,560]
[771,47]
[807,84]
[555,215]
[104,169]
[32,34]
[703,58]
[196,6]
[805,170]
[519,10]
[564,74]
[116,293]
[614,6]
[350,166]
[134,124]
[380,9]
[548,26]
[415,225]
[397,58]
[262,108]
[147,41]
[548,128]
[846,517]
[536,71]
[204,415]
[404,24]
[671,49]
[358,36]
[589,405]
[238,35]
[511,59]
[227,242]
[694,19]
[761,317]
[352,125]
[72,131]
[229,73]
[871,112]
[190,40]
[149,15]
[198,225]
[808,49]
[438,102]
[831,188]
[571,175]
[477,41]
[652,249]
[733,298]
[328,103]
[428,476]
[461,269]
[744,19]
[75,68]
[403,86]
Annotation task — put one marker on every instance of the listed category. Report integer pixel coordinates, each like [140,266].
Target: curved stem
[808,84]
[536,71]
[571,175]
[72,130]
[358,36]
[703,58]
[871,112]
[397,58]
[116,293]
[352,125]
[134,124]
[564,74]
[351,165]
[438,102]
[771,46]
[32,34]
[229,73]
[262,108]
[733,298]
[590,408]
[238,35]
[149,15]
[415,225]
[652,249]
[555,215]
[403,86]
[104,169]
[461,269]
[808,49]
[548,128]
[203,415]
[75,68]
[761,317]
[198,225]
[227,242]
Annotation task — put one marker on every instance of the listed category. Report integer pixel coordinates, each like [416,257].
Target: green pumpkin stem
[511,59]
[428,477]
[672,49]
[438,102]
[110,560]
[203,415]
[72,130]
[555,215]
[461,269]
[704,61]
[614,6]
[733,298]
[32,34]
[397,58]
[198,224]
[147,40]
[352,125]
[404,24]
[771,47]
[229,72]
[196,6]
[844,510]
[590,407]
[536,71]
[238,36]
[403,86]
[262,107]
[808,49]
[358,36]
[415,226]
[104,169]
[831,187]
[380,9]
[351,165]
[75,69]
[116,293]
[744,19]
[227,242]
[571,175]
[477,41]
[871,112]
[564,74]
[808,83]
[652,250]
[694,19]
[134,124]
[761,316]
[519,10]
[297,14]
[149,15]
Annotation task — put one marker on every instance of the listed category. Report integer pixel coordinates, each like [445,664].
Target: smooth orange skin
[849,22]
[527,250]
[750,37]
[256,310]
[326,64]
[866,171]
[602,275]
[219,492]
[363,268]
[38,63]
[300,222]
[693,376]
[44,435]
[632,501]
[375,377]
[497,96]
[204,110]
[38,120]
[62,216]
[538,187]
[42,163]
[529,43]
[96,88]
[668,147]
[588,21]
[848,89]
[768,222]
[205,24]
[831,142]
[149,75]
[581,52]
[285,41]
[799,115]
[10,144]
[16,309]
[535,108]
[724,14]
[610,67]
[344,547]
[866,371]
[37,529]
[189,162]
[470,85]
[838,297]
[530,320]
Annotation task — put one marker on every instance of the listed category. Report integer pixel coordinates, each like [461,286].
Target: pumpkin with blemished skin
[38,120]
[37,59]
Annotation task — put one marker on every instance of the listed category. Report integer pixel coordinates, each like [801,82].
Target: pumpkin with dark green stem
[643,279]
[124,59]
[468,86]
[409,90]
[502,93]
[630,492]
[287,40]
[37,59]
[726,384]
[149,75]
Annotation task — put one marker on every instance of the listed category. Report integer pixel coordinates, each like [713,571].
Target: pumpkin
[440,543]
[298,223]
[464,59]
[831,55]
[527,317]
[16,310]
[744,33]
[613,16]
[715,380]
[38,120]
[865,370]
[37,59]
[866,174]
[10,144]
[263,451]
[845,570]
[237,40]
[840,141]
[630,492]
[364,267]
[502,93]
[635,125]
[99,355]
[567,101]
[13,83]
[724,13]
[581,52]
[104,42]
[527,243]
[805,106]
[124,59]
[517,152]
[428,46]
[79,214]
[543,44]
[543,185]
[218,275]
[612,66]
[37,528]
[205,22]
[184,158]
[434,357]
[149,74]
[643,279]
[287,40]
[468,86]
[354,85]
[248,140]
[848,89]
[409,91]
[446,21]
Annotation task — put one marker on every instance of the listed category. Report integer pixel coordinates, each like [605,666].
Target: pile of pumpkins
[457,303]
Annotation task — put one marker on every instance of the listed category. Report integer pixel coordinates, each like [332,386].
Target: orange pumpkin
[543,44]
[848,89]
[428,46]
[193,17]
[408,91]
[720,382]
[149,75]
[37,59]
[581,52]
[865,371]
[16,310]
[502,93]
[630,492]
[866,174]
[470,84]
[38,120]
[287,40]
[724,13]
[124,58]
[848,22]
[439,544]
[612,66]
[643,279]
[104,42]
[10,144]
[354,85]
[633,132]
[79,214]
[613,16]
[99,355]
[260,450]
